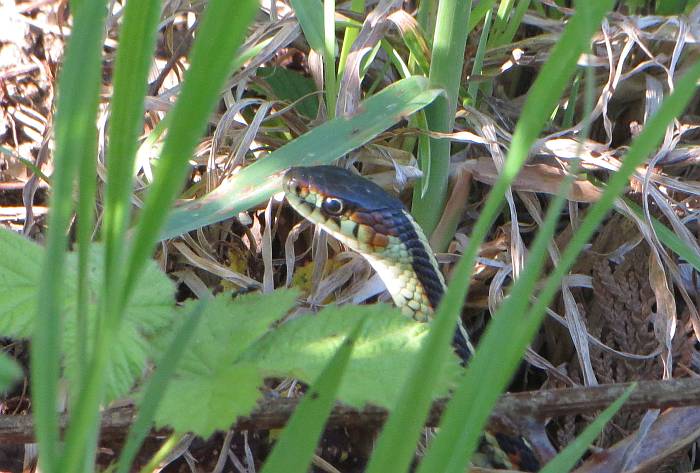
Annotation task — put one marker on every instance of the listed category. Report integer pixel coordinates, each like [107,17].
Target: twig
[274,413]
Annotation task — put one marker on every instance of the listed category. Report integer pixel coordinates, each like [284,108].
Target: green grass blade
[513,23]
[404,425]
[162,454]
[468,411]
[222,30]
[156,387]
[478,61]
[323,144]
[668,238]
[87,190]
[449,44]
[132,64]
[330,81]
[479,13]
[567,458]
[397,443]
[78,90]
[310,16]
[351,32]
[293,450]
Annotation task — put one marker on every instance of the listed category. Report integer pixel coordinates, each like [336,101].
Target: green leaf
[322,145]
[291,86]
[668,237]
[310,16]
[382,358]
[209,375]
[220,396]
[10,372]
[149,312]
[295,446]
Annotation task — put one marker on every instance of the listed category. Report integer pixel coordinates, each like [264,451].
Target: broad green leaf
[322,145]
[10,372]
[295,446]
[209,375]
[291,86]
[149,312]
[211,401]
[382,357]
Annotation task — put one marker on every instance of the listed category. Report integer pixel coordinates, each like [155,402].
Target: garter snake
[370,221]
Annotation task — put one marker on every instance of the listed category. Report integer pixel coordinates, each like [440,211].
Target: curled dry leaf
[534,178]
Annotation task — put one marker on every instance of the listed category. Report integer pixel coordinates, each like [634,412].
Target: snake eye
[294,185]
[332,206]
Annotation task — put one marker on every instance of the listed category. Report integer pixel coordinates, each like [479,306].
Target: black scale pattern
[425,270]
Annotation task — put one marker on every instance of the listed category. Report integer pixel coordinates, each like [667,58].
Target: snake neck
[406,265]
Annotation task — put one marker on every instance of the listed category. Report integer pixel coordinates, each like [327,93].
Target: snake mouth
[295,183]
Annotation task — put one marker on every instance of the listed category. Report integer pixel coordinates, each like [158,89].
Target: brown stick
[273,414]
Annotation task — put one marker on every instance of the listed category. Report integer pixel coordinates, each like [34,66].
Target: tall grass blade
[498,354]
[567,458]
[156,386]
[78,90]
[310,16]
[330,81]
[222,30]
[296,444]
[449,44]
[134,56]
[403,426]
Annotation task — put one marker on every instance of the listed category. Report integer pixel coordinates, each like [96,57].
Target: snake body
[370,221]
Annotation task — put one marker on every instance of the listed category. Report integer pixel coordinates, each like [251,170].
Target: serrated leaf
[149,311]
[204,404]
[380,362]
[209,376]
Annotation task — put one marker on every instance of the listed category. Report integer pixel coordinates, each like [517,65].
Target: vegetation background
[519,133]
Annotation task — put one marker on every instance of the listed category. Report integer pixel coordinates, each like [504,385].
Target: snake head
[335,191]
[354,210]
